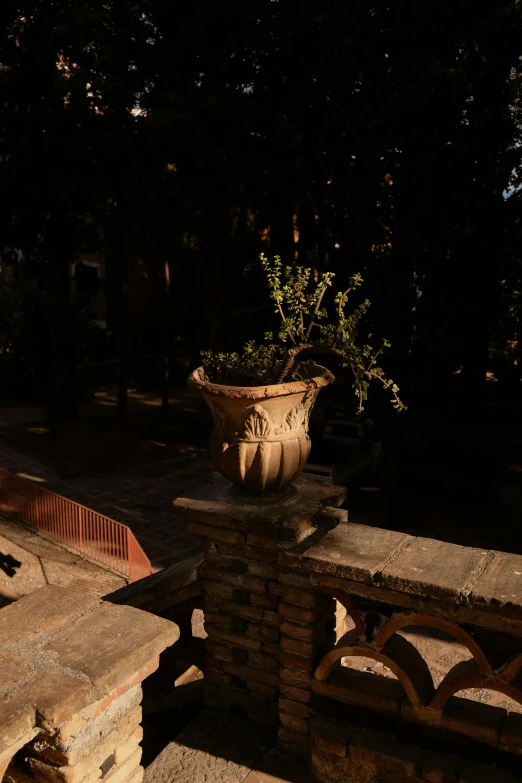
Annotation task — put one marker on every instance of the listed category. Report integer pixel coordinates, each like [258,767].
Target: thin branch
[317,306]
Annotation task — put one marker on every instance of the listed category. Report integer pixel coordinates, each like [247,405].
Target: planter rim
[197,380]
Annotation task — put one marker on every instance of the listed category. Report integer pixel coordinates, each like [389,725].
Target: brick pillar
[266,623]
[71,668]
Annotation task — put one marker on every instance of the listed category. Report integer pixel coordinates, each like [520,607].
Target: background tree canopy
[349,136]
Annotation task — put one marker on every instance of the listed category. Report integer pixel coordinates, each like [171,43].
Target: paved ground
[41,562]
[143,503]
[215,748]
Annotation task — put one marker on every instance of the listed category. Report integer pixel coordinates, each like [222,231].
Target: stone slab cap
[216,503]
[166,581]
[500,585]
[42,611]
[15,723]
[110,643]
[434,569]
[354,552]
[13,667]
[54,696]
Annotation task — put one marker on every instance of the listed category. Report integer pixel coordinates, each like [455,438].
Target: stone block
[297,614]
[129,769]
[262,541]
[220,651]
[511,732]
[500,585]
[296,725]
[264,600]
[251,674]
[269,634]
[293,739]
[303,633]
[354,552]
[111,643]
[480,721]
[439,768]
[272,648]
[433,569]
[218,588]
[12,668]
[328,768]
[295,708]
[125,749]
[243,581]
[297,596]
[296,694]
[55,697]
[127,689]
[263,661]
[330,737]
[247,611]
[295,578]
[263,570]
[296,662]
[218,677]
[216,632]
[386,754]
[249,553]
[295,676]
[480,773]
[306,649]
[263,691]
[363,689]
[42,611]
[215,533]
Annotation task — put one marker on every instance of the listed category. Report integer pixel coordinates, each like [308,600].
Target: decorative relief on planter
[260,442]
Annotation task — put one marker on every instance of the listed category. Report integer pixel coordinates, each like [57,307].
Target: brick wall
[274,574]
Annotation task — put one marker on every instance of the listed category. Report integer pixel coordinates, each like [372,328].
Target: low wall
[71,668]
[275,576]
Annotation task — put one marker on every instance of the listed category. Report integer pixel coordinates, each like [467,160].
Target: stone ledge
[416,568]
[211,511]
[62,652]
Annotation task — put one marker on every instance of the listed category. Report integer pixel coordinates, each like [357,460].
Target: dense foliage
[346,136]
[306,328]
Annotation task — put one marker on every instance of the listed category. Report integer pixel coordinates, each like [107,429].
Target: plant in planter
[261,398]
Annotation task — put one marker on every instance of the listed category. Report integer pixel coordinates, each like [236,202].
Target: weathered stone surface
[511,732]
[54,696]
[352,551]
[330,737]
[364,689]
[151,588]
[12,668]
[472,718]
[500,585]
[433,568]
[386,754]
[214,748]
[111,643]
[42,611]
[15,722]
[250,674]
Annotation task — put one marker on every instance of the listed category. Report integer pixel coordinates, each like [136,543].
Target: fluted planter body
[260,442]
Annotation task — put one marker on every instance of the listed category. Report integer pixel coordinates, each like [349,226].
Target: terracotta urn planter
[260,442]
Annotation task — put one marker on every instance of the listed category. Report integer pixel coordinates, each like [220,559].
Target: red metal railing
[79,528]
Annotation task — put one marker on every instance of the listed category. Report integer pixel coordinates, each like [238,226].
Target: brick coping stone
[62,651]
